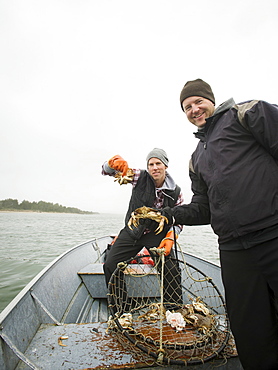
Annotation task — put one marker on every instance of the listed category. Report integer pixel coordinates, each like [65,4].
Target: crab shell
[154,312]
[123,180]
[186,310]
[202,323]
[126,320]
[200,307]
[147,213]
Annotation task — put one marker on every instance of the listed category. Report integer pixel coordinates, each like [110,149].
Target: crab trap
[170,310]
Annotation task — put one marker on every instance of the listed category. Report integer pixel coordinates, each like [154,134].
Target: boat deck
[83,349]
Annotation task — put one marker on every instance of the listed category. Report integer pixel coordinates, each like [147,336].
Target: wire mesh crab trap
[170,310]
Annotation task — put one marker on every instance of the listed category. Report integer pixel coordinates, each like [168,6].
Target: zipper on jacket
[209,129]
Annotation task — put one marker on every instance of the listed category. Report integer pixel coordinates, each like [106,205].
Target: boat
[66,319]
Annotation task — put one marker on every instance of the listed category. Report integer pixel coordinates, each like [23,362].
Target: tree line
[25,205]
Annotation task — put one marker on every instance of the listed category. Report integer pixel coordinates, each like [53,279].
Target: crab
[154,313]
[186,310]
[198,315]
[202,323]
[200,307]
[122,180]
[149,213]
[125,320]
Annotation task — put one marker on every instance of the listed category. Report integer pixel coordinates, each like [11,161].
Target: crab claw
[161,224]
[132,221]
[124,178]
[129,223]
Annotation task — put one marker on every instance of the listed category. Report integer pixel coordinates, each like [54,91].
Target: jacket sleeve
[106,170]
[197,212]
[261,119]
[180,201]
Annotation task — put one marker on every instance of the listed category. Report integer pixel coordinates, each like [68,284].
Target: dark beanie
[196,88]
[160,154]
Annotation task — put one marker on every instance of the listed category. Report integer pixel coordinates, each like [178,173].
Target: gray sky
[83,80]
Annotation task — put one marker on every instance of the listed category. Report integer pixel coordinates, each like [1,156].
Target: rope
[207,278]
[122,265]
[161,352]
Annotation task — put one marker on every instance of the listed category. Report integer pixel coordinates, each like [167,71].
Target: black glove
[168,213]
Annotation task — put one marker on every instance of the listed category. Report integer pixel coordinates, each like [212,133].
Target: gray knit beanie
[196,88]
[160,154]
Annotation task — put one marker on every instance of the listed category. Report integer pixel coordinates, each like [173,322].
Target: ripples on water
[30,241]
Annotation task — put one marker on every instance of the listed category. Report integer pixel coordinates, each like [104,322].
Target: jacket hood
[169,183]
[228,104]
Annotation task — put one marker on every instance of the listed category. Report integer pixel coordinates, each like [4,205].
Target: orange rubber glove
[118,164]
[168,242]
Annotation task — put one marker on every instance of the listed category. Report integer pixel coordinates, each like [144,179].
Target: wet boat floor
[89,346]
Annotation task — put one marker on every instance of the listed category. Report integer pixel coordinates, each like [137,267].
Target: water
[30,241]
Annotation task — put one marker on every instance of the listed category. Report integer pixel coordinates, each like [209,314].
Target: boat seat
[93,277]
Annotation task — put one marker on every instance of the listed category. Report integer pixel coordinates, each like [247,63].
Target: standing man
[234,175]
[152,188]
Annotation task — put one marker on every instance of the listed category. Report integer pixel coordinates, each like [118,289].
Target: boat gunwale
[29,286]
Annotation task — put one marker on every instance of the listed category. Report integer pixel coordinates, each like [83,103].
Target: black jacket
[234,171]
[143,194]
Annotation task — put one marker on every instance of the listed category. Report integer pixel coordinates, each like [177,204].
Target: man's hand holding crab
[162,220]
[124,175]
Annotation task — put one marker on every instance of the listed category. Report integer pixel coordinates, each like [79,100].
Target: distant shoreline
[30,211]
[12,205]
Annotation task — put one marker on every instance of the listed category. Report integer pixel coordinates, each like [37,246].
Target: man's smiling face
[197,109]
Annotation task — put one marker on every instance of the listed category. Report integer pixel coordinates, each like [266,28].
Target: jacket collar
[169,183]
[228,104]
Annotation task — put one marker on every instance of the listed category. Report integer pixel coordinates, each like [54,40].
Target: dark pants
[250,278]
[125,248]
